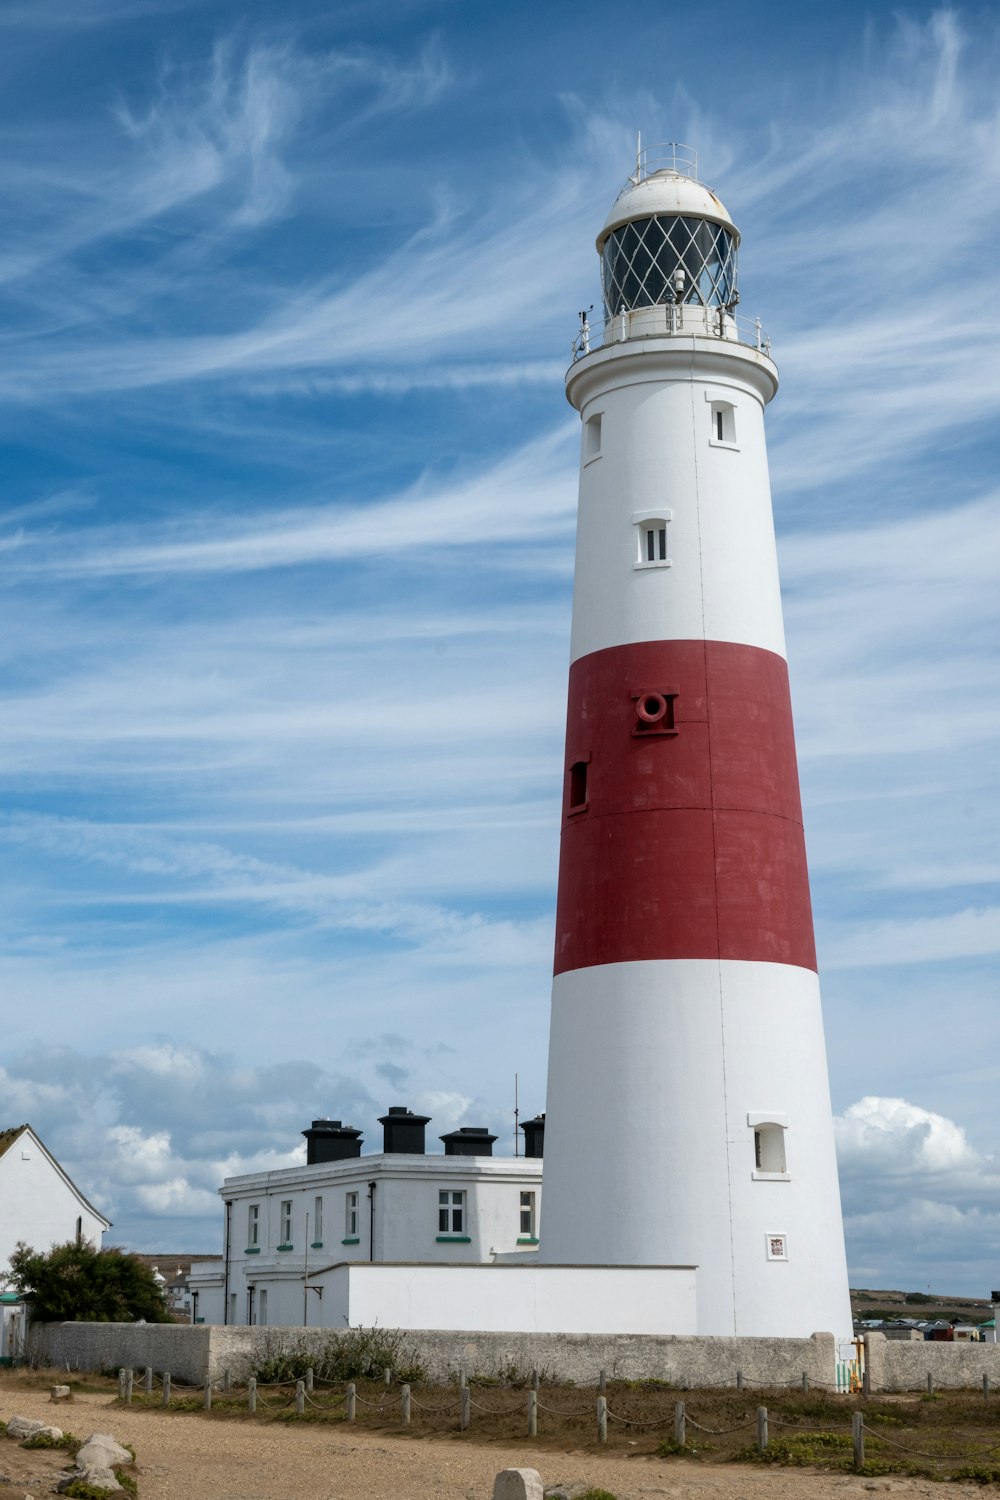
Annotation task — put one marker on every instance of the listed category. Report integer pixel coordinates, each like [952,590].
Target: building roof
[14,1132]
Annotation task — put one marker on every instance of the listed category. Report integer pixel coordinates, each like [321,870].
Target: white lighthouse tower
[688,1110]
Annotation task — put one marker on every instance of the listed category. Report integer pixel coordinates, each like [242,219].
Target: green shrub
[355,1354]
[42,1440]
[671,1448]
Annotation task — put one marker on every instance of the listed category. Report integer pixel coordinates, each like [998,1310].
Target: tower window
[578,786]
[769,1157]
[592,438]
[528,1230]
[723,428]
[651,539]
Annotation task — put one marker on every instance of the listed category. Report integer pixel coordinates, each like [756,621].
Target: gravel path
[184,1456]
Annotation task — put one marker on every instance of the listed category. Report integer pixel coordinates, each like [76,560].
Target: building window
[451,1212]
[651,539]
[317,1223]
[723,422]
[262,1305]
[769,1157]
[351,1217]
[592,438]
[286,1221]
[527,1231]
[578,786]
[253,1225]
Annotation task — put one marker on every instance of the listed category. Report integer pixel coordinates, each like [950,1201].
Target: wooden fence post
[602,1419]
[986,1387]
[805,1380]
[536,1380]
[930,1383]
[465,1416]
[761,1428]
[532,1413]
[405,1394]
[387,1375]
[866,1382]
[252,1393]
[680,1424]
[602,1382]
[310,1379]
[227,1380]
[739,1380]
[128,1386]
[300,1398]
[352,1401]
[858,1434]
[149,1380]
[165,1398]
[208,1395]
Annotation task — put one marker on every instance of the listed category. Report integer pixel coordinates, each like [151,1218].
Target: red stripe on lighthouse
[689,843]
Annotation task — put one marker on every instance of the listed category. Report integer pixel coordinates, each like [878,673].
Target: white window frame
[657,522]
[770,1148]
[592,437]
[351,1210]
[318,1221]
[721,407]
[528,1209]
[253,1226]
[452,1219]
[286,1221]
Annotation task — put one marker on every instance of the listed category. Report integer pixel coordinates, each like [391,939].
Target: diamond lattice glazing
[641,258]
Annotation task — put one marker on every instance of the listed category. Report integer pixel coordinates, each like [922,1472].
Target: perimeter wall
[204,1352]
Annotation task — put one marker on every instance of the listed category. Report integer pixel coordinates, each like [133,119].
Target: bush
[355,1354]
[77,1284]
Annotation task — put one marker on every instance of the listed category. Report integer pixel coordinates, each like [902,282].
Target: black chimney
[329,1140]
[534,1136]
[469,1140]
[403,1131]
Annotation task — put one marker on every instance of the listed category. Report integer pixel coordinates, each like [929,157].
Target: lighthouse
[688,1107]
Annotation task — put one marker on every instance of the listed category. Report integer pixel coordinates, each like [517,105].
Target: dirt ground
[187,1456]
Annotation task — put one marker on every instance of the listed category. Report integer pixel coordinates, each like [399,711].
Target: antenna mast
[517,1143]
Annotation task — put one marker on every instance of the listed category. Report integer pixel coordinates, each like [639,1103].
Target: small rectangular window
[451,1212]
[253,1225]
[318,1221]
[578,784]
[286,1221]
[592,437]
[351,1217]
[528,1216]
[723,422]
[769,1147]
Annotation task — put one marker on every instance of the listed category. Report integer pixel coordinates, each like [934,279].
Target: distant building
[39,1202]
[288,1232]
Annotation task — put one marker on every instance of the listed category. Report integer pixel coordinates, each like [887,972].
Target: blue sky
[286,529]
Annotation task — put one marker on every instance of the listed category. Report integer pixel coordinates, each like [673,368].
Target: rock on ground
[518,1484]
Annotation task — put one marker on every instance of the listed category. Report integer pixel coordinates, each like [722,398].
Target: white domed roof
[668,193]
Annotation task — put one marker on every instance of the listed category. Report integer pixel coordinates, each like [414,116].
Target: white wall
[38,1204]
[509,1299]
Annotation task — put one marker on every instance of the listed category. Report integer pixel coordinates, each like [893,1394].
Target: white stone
[100,1451]
[20,1428]
[60,1393]
[518,1484]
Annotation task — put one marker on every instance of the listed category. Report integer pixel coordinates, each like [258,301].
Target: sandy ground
[185,1456]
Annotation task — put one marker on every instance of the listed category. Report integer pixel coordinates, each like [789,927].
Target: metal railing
[671,320]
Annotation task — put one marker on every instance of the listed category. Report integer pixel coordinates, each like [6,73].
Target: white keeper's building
[289,1234]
